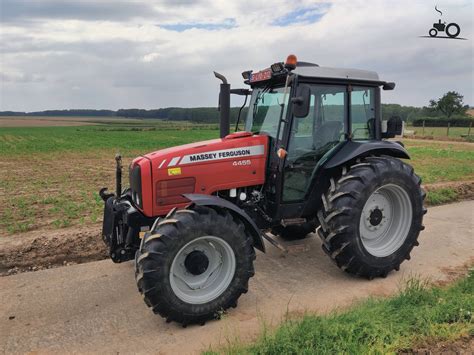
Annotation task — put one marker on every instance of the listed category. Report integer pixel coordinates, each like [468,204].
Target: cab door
[313,136]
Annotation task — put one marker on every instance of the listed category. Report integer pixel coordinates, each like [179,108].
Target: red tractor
[312,155]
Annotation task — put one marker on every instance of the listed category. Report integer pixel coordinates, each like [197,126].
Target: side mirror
[301,101]
[388,86]
[393,127]
[241,92]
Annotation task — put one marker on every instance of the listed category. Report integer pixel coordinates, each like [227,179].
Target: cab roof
[315,71]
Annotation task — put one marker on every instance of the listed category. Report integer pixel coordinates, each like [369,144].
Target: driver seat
[328,132]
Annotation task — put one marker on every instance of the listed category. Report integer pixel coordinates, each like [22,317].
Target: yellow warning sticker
[174,171]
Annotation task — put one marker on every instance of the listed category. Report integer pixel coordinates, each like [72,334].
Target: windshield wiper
[259,97]
[240,111]
[282,105]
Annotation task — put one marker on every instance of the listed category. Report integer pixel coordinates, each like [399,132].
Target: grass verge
[440,162]
[456,133]
[419,315]
[441,196]
[438,194]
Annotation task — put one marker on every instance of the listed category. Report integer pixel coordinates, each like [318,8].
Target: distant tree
[449,104]
[406,113]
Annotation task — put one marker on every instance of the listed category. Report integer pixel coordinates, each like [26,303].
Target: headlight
[136,185]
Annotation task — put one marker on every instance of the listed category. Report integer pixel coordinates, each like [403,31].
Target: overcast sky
[58,54]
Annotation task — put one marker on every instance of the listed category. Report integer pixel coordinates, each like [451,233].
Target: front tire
[194,265]
[372,215]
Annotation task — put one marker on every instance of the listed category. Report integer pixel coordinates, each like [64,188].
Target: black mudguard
[353,150]
[209,200]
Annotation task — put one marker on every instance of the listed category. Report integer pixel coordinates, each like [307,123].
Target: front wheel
[433,32]
[194,265]
[372,215]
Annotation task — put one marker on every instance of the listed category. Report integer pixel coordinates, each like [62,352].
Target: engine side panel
[203,168]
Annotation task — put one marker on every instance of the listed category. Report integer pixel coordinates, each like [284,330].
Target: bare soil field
[53,192]
[71,121]
[463,346]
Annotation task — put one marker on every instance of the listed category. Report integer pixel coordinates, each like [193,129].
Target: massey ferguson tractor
[310,153]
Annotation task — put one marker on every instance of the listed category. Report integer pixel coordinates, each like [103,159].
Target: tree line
[203,114]
[194,114]
[449,107]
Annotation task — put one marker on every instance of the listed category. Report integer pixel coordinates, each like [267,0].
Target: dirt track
[95,307]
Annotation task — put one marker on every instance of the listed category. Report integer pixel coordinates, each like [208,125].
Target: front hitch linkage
[118,180]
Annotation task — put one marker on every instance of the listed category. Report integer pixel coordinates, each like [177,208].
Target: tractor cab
[309,114]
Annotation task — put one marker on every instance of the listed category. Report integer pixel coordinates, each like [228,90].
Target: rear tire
[372,215]
[194,265]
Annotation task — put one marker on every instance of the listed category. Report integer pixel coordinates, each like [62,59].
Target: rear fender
[353,150]
[214,201]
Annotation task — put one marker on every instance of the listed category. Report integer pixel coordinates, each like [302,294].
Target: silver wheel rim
[385,220]
[211,283]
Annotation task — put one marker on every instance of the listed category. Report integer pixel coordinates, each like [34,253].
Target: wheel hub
[196,262]
[202,269]
[375,217]
[385,220]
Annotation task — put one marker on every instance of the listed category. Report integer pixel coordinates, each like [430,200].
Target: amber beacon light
[290,62]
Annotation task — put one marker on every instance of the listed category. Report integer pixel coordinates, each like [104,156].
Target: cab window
[363,113]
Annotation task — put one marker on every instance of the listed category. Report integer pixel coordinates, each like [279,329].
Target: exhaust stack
[224,105]
[118,175]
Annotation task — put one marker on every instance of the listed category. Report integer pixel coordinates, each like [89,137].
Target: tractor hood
[237,160]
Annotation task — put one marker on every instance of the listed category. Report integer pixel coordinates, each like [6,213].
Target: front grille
[136,185]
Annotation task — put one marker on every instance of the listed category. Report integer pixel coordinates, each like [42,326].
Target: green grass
[418,315]
[441,196]
[439,132]
[33,140]
[438,162]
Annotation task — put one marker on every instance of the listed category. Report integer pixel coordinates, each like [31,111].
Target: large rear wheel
[372,215]
[194,265]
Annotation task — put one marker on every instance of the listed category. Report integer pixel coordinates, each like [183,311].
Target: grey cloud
[29,10]
[118,49]
[112,73]
[21,78]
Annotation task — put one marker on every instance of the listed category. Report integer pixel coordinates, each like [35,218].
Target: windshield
[265,108]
